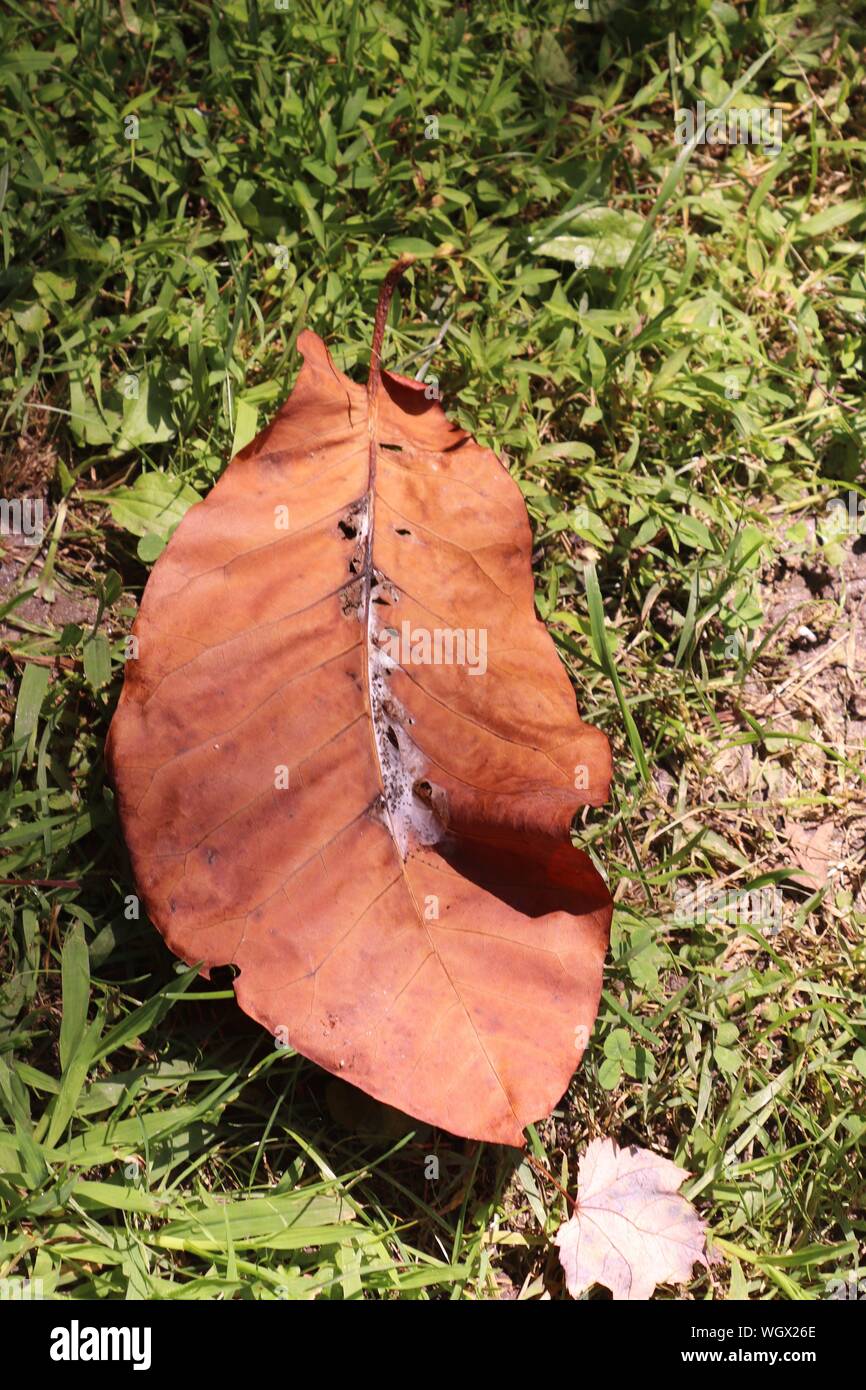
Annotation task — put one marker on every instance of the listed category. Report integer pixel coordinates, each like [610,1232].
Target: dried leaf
[347,758]
[631,1229]
[812,850]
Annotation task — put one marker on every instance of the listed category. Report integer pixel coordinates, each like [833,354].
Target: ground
[668,353]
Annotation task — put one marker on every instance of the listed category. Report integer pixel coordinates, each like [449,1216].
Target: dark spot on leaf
[350,599]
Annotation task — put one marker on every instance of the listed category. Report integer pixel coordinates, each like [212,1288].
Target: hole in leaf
[223,976]
[402,531]
[348,528]
[397,448]
[392,737]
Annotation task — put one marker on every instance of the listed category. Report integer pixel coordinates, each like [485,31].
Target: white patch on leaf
[401,762]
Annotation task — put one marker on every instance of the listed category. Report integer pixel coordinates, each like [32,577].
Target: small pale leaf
[631,1229]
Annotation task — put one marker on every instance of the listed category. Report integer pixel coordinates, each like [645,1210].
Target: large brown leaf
[409,911]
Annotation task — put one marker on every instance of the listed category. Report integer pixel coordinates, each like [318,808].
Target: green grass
[678,414]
